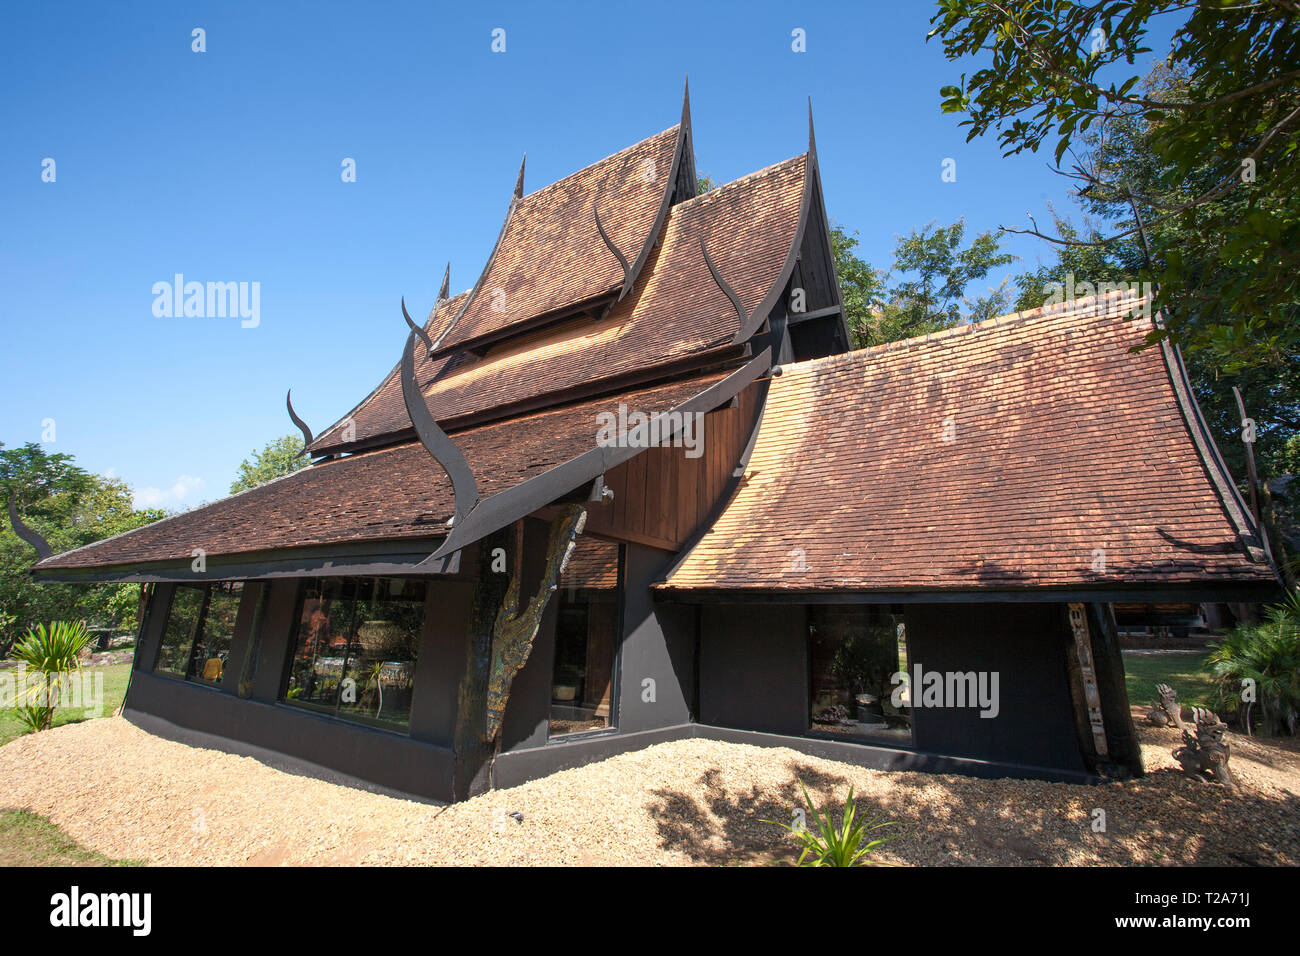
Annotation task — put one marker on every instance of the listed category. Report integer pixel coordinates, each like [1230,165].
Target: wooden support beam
[1087,677]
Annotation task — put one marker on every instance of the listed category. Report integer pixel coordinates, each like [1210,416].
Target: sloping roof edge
[492,514]
[1256,585]
[1253,542]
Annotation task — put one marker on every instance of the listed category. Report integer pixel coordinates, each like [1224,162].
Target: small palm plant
[53,652]
[1268,655]
[825,844]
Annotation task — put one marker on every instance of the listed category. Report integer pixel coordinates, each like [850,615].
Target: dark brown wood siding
[661,497]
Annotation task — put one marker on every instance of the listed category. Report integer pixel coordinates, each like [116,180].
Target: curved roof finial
[424,336]
[519,183]
[686,102]
[31,536]
[435,440]
[444,293]
[609,243]
[302,426]
[722,284]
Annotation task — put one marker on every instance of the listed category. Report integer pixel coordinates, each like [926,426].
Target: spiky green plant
[825,844]
[52,652]
[1267,654]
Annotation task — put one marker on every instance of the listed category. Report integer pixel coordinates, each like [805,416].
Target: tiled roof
[676,313]
[551,255]
[593,565]
[387,494]
[1032,450]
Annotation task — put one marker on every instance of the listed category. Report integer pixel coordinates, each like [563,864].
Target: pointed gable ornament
[302,426]
[30,535]
[609,244]
[424,336]
[435,441]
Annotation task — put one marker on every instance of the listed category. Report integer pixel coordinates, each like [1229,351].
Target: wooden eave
[371,558]
[496,512]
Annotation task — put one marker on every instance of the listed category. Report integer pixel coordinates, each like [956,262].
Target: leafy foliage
[934,268]
[826,844]
[69,507]
[862,287]
[279,458]
[1200,167]
[50,652]
[1267,654]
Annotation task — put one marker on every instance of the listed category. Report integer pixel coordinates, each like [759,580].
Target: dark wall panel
[1026,645]
[273,654]
[754,667]
[658,646]
[146,655]
[441,661]
[391,760]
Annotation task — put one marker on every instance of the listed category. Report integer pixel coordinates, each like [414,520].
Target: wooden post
[1088,677]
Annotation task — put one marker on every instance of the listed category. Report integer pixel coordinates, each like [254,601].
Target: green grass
[29,839]
[115,679]
[1188,674]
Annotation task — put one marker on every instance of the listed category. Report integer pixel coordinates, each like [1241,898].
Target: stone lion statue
[1166,712]
[1206,753]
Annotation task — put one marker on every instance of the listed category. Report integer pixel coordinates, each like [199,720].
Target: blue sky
[225,166]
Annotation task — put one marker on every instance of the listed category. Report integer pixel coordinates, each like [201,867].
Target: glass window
[216,632]
[587,628]
[855,654]
[354,648]
[178,633]
[199,631]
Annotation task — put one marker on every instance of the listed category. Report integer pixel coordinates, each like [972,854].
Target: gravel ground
[127,794]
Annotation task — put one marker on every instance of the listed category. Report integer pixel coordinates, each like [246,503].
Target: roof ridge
[1006,321]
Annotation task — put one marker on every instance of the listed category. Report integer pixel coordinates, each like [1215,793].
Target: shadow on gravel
[1165,818]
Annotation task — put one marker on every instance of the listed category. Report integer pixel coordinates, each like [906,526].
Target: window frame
[331,712]
[616,667]
[195,629]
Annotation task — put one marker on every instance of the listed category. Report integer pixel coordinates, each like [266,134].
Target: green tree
[1131,163]
[1216,206]
[861,286]
[934,269]
[940,271]
[70,508]
[279,458]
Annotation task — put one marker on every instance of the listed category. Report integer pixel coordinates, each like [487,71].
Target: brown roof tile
[1064,443]
[387,494]
[593,565]
[551,255]
[675,313]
